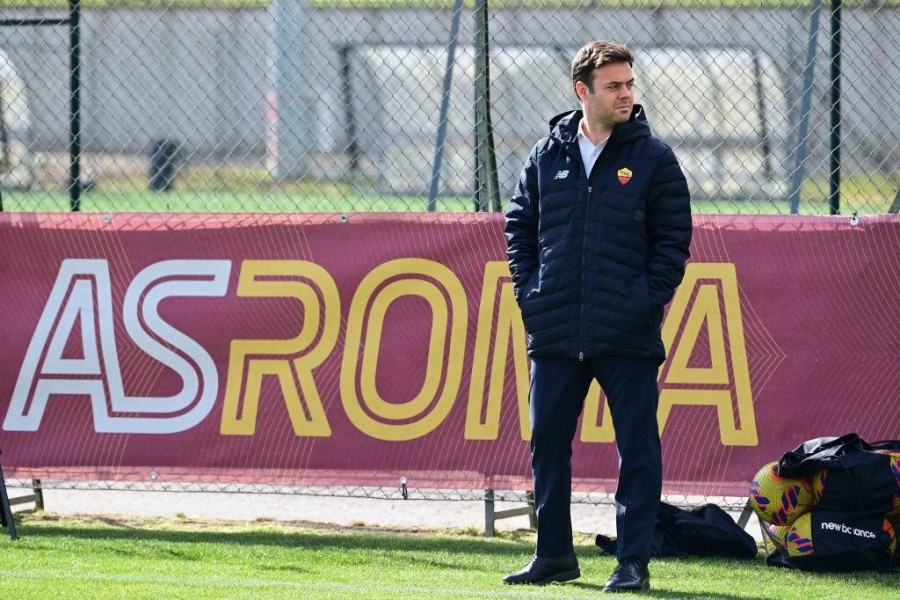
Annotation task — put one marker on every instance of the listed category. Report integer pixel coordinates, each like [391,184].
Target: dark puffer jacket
[594,261]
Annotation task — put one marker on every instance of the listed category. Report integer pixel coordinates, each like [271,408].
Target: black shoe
[629,576]
[545,570]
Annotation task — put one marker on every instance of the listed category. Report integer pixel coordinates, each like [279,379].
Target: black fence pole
[75,105]
[6,517]
[5,159]
[834,197]
[487,189]
[763,123]
[353,148]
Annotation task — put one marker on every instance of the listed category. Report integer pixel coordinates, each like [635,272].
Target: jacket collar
[564,127]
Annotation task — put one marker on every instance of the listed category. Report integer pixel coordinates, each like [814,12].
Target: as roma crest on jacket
[624,175]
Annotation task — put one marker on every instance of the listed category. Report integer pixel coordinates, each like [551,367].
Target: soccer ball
[779,500]
[894,522]
[895,469]
[819,481]
[889,529]
[799,540]
[778,534]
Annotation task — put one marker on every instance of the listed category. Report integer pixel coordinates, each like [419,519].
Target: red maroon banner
[355,350]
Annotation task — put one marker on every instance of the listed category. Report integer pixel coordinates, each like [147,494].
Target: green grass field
[239,201]
[252,189]
[223,201]
[118,557]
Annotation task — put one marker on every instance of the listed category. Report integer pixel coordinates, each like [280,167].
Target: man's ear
[581,90]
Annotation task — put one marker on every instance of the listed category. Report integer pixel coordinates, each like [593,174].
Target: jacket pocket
[656,317]
[644,310]
[529,296]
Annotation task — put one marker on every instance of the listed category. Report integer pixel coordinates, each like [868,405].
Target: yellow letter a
[709,296]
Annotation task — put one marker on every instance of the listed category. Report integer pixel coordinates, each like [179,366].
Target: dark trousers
[556,397]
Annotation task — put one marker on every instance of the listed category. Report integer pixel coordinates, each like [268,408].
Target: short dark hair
[594,55]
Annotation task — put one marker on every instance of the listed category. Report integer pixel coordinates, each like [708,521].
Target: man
[597,233]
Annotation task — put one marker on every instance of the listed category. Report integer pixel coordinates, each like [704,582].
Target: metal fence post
[75,105]
[800,149]
[489,513]
[445,104]
[6,517]
[487,188]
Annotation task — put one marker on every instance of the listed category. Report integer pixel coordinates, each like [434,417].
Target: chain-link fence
[401,493]
[375,105]
[372,105]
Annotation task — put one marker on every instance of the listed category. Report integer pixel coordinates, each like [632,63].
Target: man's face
[610,99]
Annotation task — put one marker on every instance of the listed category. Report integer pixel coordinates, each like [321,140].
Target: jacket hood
[564,126]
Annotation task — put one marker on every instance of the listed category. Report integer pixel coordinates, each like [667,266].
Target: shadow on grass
[271,535]
[881,584]
[431,549]
[663,593]
[756,568]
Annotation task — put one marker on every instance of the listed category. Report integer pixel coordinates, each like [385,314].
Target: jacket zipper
[587,207]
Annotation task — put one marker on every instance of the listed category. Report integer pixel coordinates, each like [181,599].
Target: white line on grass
[546,592]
